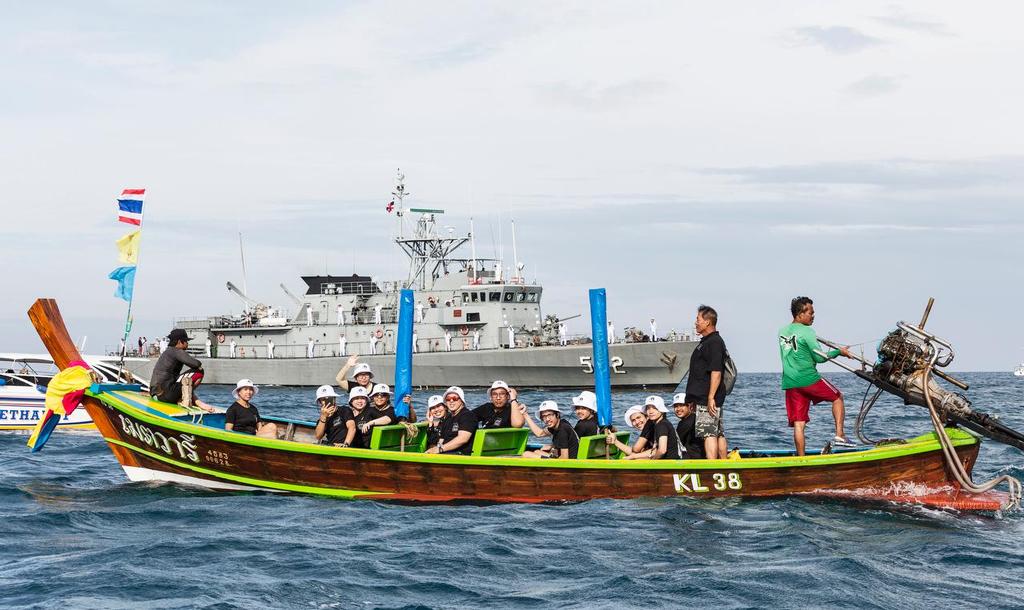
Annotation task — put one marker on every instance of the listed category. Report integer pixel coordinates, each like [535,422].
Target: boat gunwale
[921,444]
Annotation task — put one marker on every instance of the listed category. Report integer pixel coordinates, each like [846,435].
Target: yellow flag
[128,247]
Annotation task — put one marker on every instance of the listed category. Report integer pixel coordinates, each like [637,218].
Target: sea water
[74,533]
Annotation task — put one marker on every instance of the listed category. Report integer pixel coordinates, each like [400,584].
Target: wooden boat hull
[152,447]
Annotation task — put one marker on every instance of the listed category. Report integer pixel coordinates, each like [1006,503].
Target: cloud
[892,173]
[837,39]
[591,96]
[873,85]
[899,19]
[811,229]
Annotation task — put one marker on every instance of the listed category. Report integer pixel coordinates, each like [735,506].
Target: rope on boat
[865,406]
[953,460]
[411,432]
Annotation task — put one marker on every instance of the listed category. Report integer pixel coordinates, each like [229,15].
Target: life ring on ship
[464,330]
[378,333]
[220,338]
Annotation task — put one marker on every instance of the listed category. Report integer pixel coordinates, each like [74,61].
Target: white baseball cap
[455,390]
[586,399]
[361,368]
[434,400]
[325,391]
[630,412]
[356,392]
[657,402]
[380,388]
[498,385]
[548,405]
[679,399]
[245,383]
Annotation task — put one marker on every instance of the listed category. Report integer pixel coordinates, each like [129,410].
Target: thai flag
[129,206]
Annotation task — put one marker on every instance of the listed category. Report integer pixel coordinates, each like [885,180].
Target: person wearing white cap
[341,314]
[503,411]
[342,345]
[380,407]
[270,349]
[654,330]
[358,403]
[362,375]
[635,416]
[693,447]
[564,442]
[435,415]
[337,424]
[310,348]
[458,427]
[665,443]
[243,416]
[585,406]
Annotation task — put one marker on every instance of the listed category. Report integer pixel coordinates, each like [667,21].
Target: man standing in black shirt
[504,409]
[459,427]
[693,447]
[704,386]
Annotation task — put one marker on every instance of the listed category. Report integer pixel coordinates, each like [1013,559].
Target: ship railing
[385,346]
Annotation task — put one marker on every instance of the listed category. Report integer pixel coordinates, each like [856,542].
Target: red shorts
[798,400]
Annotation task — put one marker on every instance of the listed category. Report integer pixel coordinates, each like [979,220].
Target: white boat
[1019,371]
[23,379]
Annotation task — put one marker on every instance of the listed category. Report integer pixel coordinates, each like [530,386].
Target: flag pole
[128,316]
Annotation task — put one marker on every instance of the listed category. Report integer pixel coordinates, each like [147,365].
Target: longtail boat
[154,442]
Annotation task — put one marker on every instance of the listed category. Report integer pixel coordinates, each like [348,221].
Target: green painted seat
[393,438]
[500,441]
[594,447]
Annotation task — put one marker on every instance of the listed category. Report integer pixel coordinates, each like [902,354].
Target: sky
[737,154]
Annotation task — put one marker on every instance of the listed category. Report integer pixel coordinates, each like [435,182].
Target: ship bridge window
[531,297]
[521,297]
[495,296]
[473,297]
[509,297]
[483,297]
[465,297]
[472,316]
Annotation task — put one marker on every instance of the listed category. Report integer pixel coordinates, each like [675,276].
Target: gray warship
[472,325]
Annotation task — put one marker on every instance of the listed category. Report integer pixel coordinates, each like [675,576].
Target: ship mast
[428,252]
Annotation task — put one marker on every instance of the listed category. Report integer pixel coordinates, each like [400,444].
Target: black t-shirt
[663,428]
[489,417]
[587,427]
[244,419]
[693,446]
[336,428]
[464,420]
[647,432]
[360,440]
[389,412]
[564,437]
[434,434]
[708,356]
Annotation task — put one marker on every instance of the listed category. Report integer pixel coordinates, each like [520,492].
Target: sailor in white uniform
[611,332]
[447,341]
[562,340]
[414,348]
[373,343]
[654,330]
[511,337]
[342,342]
[419,312]
[232,346]
[309,315]
[341,314]
[209,345]
[376,313]
[163,345]
[270,349]
[476,339]
[310,348]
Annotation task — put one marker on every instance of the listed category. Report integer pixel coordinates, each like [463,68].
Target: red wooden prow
[46,318]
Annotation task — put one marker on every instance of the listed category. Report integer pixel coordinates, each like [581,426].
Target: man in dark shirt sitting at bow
[164,384]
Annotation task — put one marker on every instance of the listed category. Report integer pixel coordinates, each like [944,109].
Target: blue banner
[602,378]
[125,278]
[403,354]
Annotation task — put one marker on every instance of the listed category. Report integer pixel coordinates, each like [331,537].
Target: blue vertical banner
[403,354]
[602,378]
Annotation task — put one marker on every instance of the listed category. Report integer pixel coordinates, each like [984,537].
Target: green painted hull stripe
[329,491]
[128,404]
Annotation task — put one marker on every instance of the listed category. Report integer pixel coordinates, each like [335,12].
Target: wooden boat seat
[593,447]
[390,438]
[500,441]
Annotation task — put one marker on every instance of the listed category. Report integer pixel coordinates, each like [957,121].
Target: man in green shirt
[801,354]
